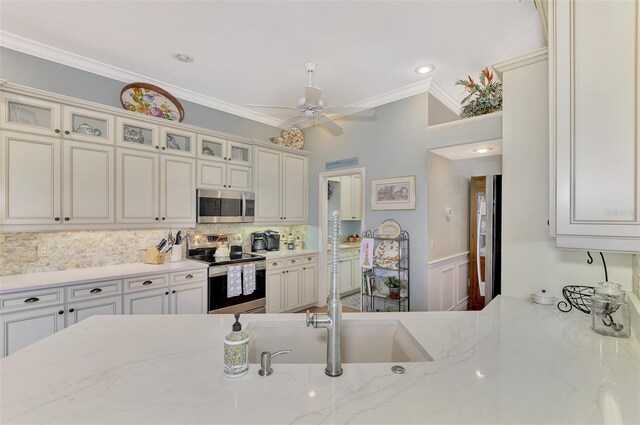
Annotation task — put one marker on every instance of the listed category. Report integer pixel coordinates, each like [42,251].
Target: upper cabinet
[177,142]
[351,197]
[87,125]
[24,113]
[281,186]
[593,125]
[224,164]
[220,150]
[137,134]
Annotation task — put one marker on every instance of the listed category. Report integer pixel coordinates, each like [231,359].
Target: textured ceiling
[253,52]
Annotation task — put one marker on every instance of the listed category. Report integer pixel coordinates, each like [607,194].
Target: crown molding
[520,61]
[445,98]
[394,95]
[34,48]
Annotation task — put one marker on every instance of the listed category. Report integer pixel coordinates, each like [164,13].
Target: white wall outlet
[43,250]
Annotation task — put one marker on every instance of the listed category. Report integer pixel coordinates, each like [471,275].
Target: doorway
[342,191]
[464,187]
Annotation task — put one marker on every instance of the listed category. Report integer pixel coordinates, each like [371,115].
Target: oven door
[220,303]
[217,206]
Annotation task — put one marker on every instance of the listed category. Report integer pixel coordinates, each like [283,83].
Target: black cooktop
[208,256]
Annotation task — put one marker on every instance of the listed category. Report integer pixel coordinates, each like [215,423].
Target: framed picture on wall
[397,193]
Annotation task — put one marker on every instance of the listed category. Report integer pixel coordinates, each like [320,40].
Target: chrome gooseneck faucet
[333,320]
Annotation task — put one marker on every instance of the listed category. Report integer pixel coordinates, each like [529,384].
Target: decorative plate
[151,100]
[389,229]
[276,140]
[387,255]
[293,137]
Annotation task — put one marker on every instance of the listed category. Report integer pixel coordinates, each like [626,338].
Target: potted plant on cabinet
[393,283]
[483,97]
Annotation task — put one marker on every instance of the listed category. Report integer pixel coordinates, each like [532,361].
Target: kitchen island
[514,362]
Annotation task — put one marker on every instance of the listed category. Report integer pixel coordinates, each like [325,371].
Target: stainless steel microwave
[222,206]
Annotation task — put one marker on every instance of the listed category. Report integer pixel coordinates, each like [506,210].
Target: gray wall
[31,71]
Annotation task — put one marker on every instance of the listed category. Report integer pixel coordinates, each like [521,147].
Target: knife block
[153,256]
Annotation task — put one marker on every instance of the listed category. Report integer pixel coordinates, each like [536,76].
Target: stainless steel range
[223,296]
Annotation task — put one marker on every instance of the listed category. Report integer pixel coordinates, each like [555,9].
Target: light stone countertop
[29,281]
[274,255]
[512,363]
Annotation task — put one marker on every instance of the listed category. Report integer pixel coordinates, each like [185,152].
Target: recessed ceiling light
[483,150]
[182,57]
[425,69]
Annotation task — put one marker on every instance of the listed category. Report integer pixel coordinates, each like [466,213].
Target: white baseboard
[448,283]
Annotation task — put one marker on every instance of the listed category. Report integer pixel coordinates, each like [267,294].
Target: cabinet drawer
[294,261]
[32,299]
[145,282]
[94,290]
[274,264]
[189,276]
[308,259]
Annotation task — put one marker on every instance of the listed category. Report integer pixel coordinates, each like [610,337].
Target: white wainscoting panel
[448,283]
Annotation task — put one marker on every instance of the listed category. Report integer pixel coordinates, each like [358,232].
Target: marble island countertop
[514,362]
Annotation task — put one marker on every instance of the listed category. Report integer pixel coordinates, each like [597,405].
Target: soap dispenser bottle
[236,351]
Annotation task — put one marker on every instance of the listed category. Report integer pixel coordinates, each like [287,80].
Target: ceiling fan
[311,106]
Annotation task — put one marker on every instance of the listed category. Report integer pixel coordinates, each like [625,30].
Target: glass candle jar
[610,312]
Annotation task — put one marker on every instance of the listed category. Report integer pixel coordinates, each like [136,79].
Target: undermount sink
[363,341]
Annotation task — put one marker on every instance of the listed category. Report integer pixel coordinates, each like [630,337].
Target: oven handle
[223,270]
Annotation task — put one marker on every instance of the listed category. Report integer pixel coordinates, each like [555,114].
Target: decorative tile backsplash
[81,249]
[636,274]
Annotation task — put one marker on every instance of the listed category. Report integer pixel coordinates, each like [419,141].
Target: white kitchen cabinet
[292,288]
[595,153]
[175,141]
[136,134]
[351,197]
[30,114]
[349,272]
[30,178]
[88,125]
[177,189]
[275,291]
[137,188]
[309,284]
[188,298]
[281,186]
[151,301]
[23,328]
[80,310]
[216,175]
[215,149]
[346,275]
[88,183]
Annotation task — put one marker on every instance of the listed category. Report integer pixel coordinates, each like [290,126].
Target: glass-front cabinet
[24,113]
[137,134]
[215,149]
[178,142]
[88,125]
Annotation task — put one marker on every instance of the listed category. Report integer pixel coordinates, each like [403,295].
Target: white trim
[394,95]
[445,98]
[437,284]
[520,61]
[448,258]
[595,243]
[34,48]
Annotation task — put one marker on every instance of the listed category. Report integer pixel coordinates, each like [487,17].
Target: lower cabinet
[80,310]
[292,284]
[152,301]
[349,273]
[190,298]
[26,327]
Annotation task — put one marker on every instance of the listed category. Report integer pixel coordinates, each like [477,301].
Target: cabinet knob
[274,264]
[287,271]
[66,219]
[163,218]
[157,147]
[173,292]
[66,132]
[95,291]
[304,268]
[57,219]
[163,148]
[308,258]
[225,158]
[57,130]
[189,276]
[32,300]
[284,218]
[61,312]
[71,310]
[147,282]
[293,261]
[157,219]
[282,271]
[166,293]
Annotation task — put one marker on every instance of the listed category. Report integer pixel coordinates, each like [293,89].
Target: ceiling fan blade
[347,110]
[334,128]
[312,95]
[272,106]
[291,121]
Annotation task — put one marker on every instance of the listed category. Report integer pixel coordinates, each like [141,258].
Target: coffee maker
[273,240]
[258,242]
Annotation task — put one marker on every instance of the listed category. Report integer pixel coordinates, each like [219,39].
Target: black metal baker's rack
[380,301]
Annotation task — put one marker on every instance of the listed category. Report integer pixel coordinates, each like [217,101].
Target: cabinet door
[177,142]
[294,188]
[356,197]
[190,298]
[137,134]
[239,178]
[275,288]
[267,185]
[137,190]
[239,153]
[356,280]
[211,175]
[88,191]
[345,198]
[30,114]
[595,131]
[17,330]
[30,178]
[87,125]
[177,190]
[346,275]
[212,148]
[309,284]
[292,288]
[106,306]
[154,301]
